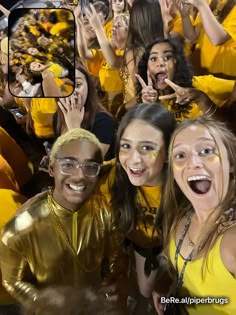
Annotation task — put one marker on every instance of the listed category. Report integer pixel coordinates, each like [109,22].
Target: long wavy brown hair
[176,205]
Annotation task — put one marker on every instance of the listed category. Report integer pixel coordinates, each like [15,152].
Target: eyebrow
[141,142]
[157,53]
[201,139]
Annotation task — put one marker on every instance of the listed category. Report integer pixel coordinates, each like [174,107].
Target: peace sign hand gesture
[183,95]
[149,94]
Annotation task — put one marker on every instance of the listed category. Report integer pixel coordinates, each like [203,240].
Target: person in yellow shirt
[133,186]
[200,217]
[164,60]
[41,112]
[109,77]
[14,164]
[214,35]
[10,202]
[118,7]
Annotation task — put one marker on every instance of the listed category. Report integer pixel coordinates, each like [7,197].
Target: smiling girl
[199,210]
[134,186]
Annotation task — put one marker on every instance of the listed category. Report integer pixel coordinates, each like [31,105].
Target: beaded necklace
[177,252]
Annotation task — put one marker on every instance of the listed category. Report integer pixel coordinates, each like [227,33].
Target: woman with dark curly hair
[163,64]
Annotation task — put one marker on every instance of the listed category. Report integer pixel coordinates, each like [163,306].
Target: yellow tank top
[217,282]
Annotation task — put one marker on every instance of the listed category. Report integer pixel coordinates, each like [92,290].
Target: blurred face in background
[118,6]
[120,30]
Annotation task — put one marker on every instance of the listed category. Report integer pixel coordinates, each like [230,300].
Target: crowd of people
[117,166]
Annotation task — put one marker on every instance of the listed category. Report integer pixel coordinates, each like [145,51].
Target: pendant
[191,244]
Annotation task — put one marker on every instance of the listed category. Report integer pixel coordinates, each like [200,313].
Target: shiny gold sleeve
[118,259]
[14,268]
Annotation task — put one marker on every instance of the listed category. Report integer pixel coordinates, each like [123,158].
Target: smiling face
[88,30]
[142,153]
[72,190]
[118,6]
[161,64]
[36,66]
[33,51]
[200,166]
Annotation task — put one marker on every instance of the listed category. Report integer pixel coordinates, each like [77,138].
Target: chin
[137,181]
[76,201]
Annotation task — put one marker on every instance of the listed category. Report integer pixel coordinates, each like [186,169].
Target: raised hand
[195,3]
[92,16]
[77,11]
[182,95]
[149,94]
[183,7]
[167,10]
[73,110]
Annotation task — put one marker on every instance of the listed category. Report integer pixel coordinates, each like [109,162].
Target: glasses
[68,167]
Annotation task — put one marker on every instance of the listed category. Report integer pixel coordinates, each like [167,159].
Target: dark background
[8,4]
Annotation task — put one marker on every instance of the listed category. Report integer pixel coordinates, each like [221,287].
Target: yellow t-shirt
[176,26]
[42,110]
[10,202]
[148,202]
[220,58]
[108,28]
[7,176]
[15,157]
[216,283]
[109,77]
[218,90]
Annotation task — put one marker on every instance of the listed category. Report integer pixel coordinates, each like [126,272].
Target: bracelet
[213,112]
[215,109]
[209,109]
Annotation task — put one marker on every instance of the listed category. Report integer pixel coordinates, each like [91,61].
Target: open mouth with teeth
[76,188]
[199,184]
[137,171]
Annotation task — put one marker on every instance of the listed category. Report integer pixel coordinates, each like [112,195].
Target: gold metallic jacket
[45,244]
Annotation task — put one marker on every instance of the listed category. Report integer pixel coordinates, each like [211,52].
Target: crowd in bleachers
[117,158]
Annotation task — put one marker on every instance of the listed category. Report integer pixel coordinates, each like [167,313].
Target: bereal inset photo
[41,52]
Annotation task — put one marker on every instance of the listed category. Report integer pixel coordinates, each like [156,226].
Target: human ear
[50,169]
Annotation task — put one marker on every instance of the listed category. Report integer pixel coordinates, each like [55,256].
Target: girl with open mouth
[199,214]
[133,186]
[164,65]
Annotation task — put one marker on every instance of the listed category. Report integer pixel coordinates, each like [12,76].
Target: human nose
[135,156]
[194,161]
[160,62]
[78,172]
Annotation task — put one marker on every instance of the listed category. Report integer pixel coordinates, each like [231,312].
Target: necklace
[177,252]
[190,242]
